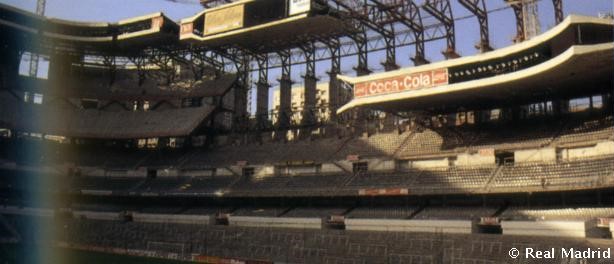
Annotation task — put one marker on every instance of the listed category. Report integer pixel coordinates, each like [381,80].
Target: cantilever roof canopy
[34,32]
[289,31]
[582,69]
[579,70]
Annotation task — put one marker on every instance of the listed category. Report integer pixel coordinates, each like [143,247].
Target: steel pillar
[518,7]
[478,8]
[241,88]
[333,84]
[309,105]
[285,92]
[406,13]
[262,91]
[442,11]
[558,11]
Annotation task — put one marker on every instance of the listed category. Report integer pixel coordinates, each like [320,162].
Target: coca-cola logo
[406,82]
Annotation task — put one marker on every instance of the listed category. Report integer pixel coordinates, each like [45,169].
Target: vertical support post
[241,88]
[333,84]
[262,91]
[360,39]
[478,8]
[40,10]
[390,63]
[442,11]
[285,92]
[558,11]
[309,105]
[518,8]
[9,67]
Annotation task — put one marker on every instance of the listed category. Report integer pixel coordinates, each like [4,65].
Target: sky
[501,24]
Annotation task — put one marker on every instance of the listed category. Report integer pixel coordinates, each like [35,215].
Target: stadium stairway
[502,209]
[495,173]
[284,212]
[417,211]
[406,141]
[349,210]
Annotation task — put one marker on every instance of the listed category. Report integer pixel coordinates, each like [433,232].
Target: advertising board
[402,83]
[223,20]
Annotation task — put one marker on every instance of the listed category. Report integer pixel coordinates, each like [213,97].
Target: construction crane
[40,10]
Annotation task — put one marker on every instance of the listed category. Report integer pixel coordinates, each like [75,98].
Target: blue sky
[502,27]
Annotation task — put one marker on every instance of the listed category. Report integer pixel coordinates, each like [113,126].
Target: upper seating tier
[90,123]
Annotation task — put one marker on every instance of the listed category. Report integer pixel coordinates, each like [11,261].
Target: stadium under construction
[142,139]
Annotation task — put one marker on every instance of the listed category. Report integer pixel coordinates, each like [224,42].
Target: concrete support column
[333,94]
[607,100]
[310,99]
[285,102]
[262,103]
[241,89]
[9,68]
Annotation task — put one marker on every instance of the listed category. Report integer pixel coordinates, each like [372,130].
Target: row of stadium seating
[554,213]
[436,141]
[582,174]
[409,211]
[94,84]
[550,175]
[591,173]
[509,136]
[66,120]
[125,87]
[295,245]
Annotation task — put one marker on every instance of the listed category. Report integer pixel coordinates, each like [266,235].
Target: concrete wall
[602,148]
[381,165]
[330,168]
[467,159]
[116,173]
[281,222]
[444,226]
[14,210]
[96,215]
[535,155]
[167,218]
[433,163]
[141,172]
[92,171]
[97,192]
[346,165]
[167,173]
[545,228]
[264,171]
[198,173]
[228,171]
[296,170]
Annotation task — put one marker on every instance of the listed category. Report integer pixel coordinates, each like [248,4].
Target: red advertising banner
[402,83]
